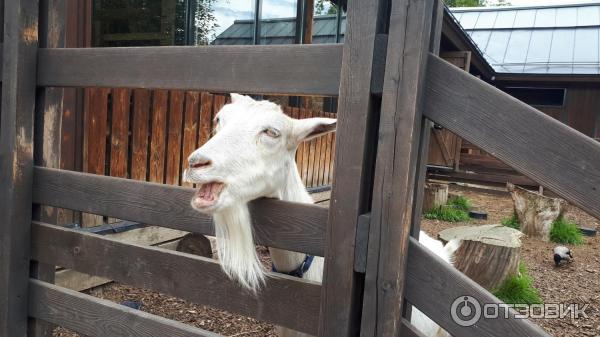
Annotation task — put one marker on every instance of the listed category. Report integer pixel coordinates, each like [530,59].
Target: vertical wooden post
[396,166]
[342,286]
[16,161]
[48,140]
[426,125]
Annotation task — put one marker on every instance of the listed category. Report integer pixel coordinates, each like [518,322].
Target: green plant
[460,202]
[512,222]
[518,289]
[565,232]
[447,213]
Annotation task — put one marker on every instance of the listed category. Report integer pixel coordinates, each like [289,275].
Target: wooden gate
[445,146]
[390,84]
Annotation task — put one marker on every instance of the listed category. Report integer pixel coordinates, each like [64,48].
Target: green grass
[518,289]
[460,202]
[565,232]
[512,222]
[455,210]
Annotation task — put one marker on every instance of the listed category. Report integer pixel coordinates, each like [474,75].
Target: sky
[227,11]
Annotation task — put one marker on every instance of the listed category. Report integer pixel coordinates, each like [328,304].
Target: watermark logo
[467,311]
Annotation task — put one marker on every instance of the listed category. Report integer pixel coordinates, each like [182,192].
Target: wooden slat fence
[147,135]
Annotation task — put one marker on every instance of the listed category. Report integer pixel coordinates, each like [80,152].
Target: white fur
[253,164]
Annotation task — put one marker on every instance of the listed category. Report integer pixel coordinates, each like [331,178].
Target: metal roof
[280,31]
[561,39]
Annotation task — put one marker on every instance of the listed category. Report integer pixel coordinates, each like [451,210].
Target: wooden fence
[389,86]
[147,135]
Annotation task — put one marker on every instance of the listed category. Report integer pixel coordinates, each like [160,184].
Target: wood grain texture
[194,278]
[250,69]
[174,137]
[92,316]
[190,130]
[342,291]
[396,166]
[16,160]
[119,145]
[140,134]
[205,127]
[432,285]
[538,146]
[158,135]
[292,226]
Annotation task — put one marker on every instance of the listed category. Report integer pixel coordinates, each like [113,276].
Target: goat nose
[199,161]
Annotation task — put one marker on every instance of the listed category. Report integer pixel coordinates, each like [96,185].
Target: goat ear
[237,98]
[309,128]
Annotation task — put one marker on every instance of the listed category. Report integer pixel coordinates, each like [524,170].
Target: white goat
[252,155]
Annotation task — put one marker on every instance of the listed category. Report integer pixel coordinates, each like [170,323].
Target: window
[539,96]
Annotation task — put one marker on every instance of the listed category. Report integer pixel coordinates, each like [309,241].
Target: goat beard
[235,245]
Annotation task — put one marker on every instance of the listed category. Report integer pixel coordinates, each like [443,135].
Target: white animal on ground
[252,155]
[562,253]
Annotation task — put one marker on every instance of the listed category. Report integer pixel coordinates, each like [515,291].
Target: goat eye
[273,133]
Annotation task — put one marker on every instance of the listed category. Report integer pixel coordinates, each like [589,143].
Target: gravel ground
[578,282]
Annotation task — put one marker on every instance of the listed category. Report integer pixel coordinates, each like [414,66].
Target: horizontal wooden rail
[282,69]
[280,224]
[547,151]
[284,300]
[96,317]
[432,285]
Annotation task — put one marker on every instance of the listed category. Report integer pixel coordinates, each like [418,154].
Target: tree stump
[197,244]
[536,212]
[488,254]
[435,195]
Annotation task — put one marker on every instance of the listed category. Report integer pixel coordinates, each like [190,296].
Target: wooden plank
[148,236]
[280,224]
[205,128]
[93,316]
[190,129]
[250,69]
[16,160]
[305,151]
[538,146]
[139,134]
[119,145]
[94,140]
[342,289]
[158,136]
[432,285]
[408,330]
[174,137]
[191,277]
[396,166]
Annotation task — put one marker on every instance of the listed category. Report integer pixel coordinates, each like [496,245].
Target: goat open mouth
[207,194]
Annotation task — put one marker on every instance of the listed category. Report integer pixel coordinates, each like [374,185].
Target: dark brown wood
[342,288]
[139,134]
[190,130]
[16,160]
[158,135]
[174,137]
[251,69]
[93,316]
[408,330]
[190,277]
[547,151]
[432,285]
[119,145]
[205,128]
[297,227]
[396,166]
[94,140]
